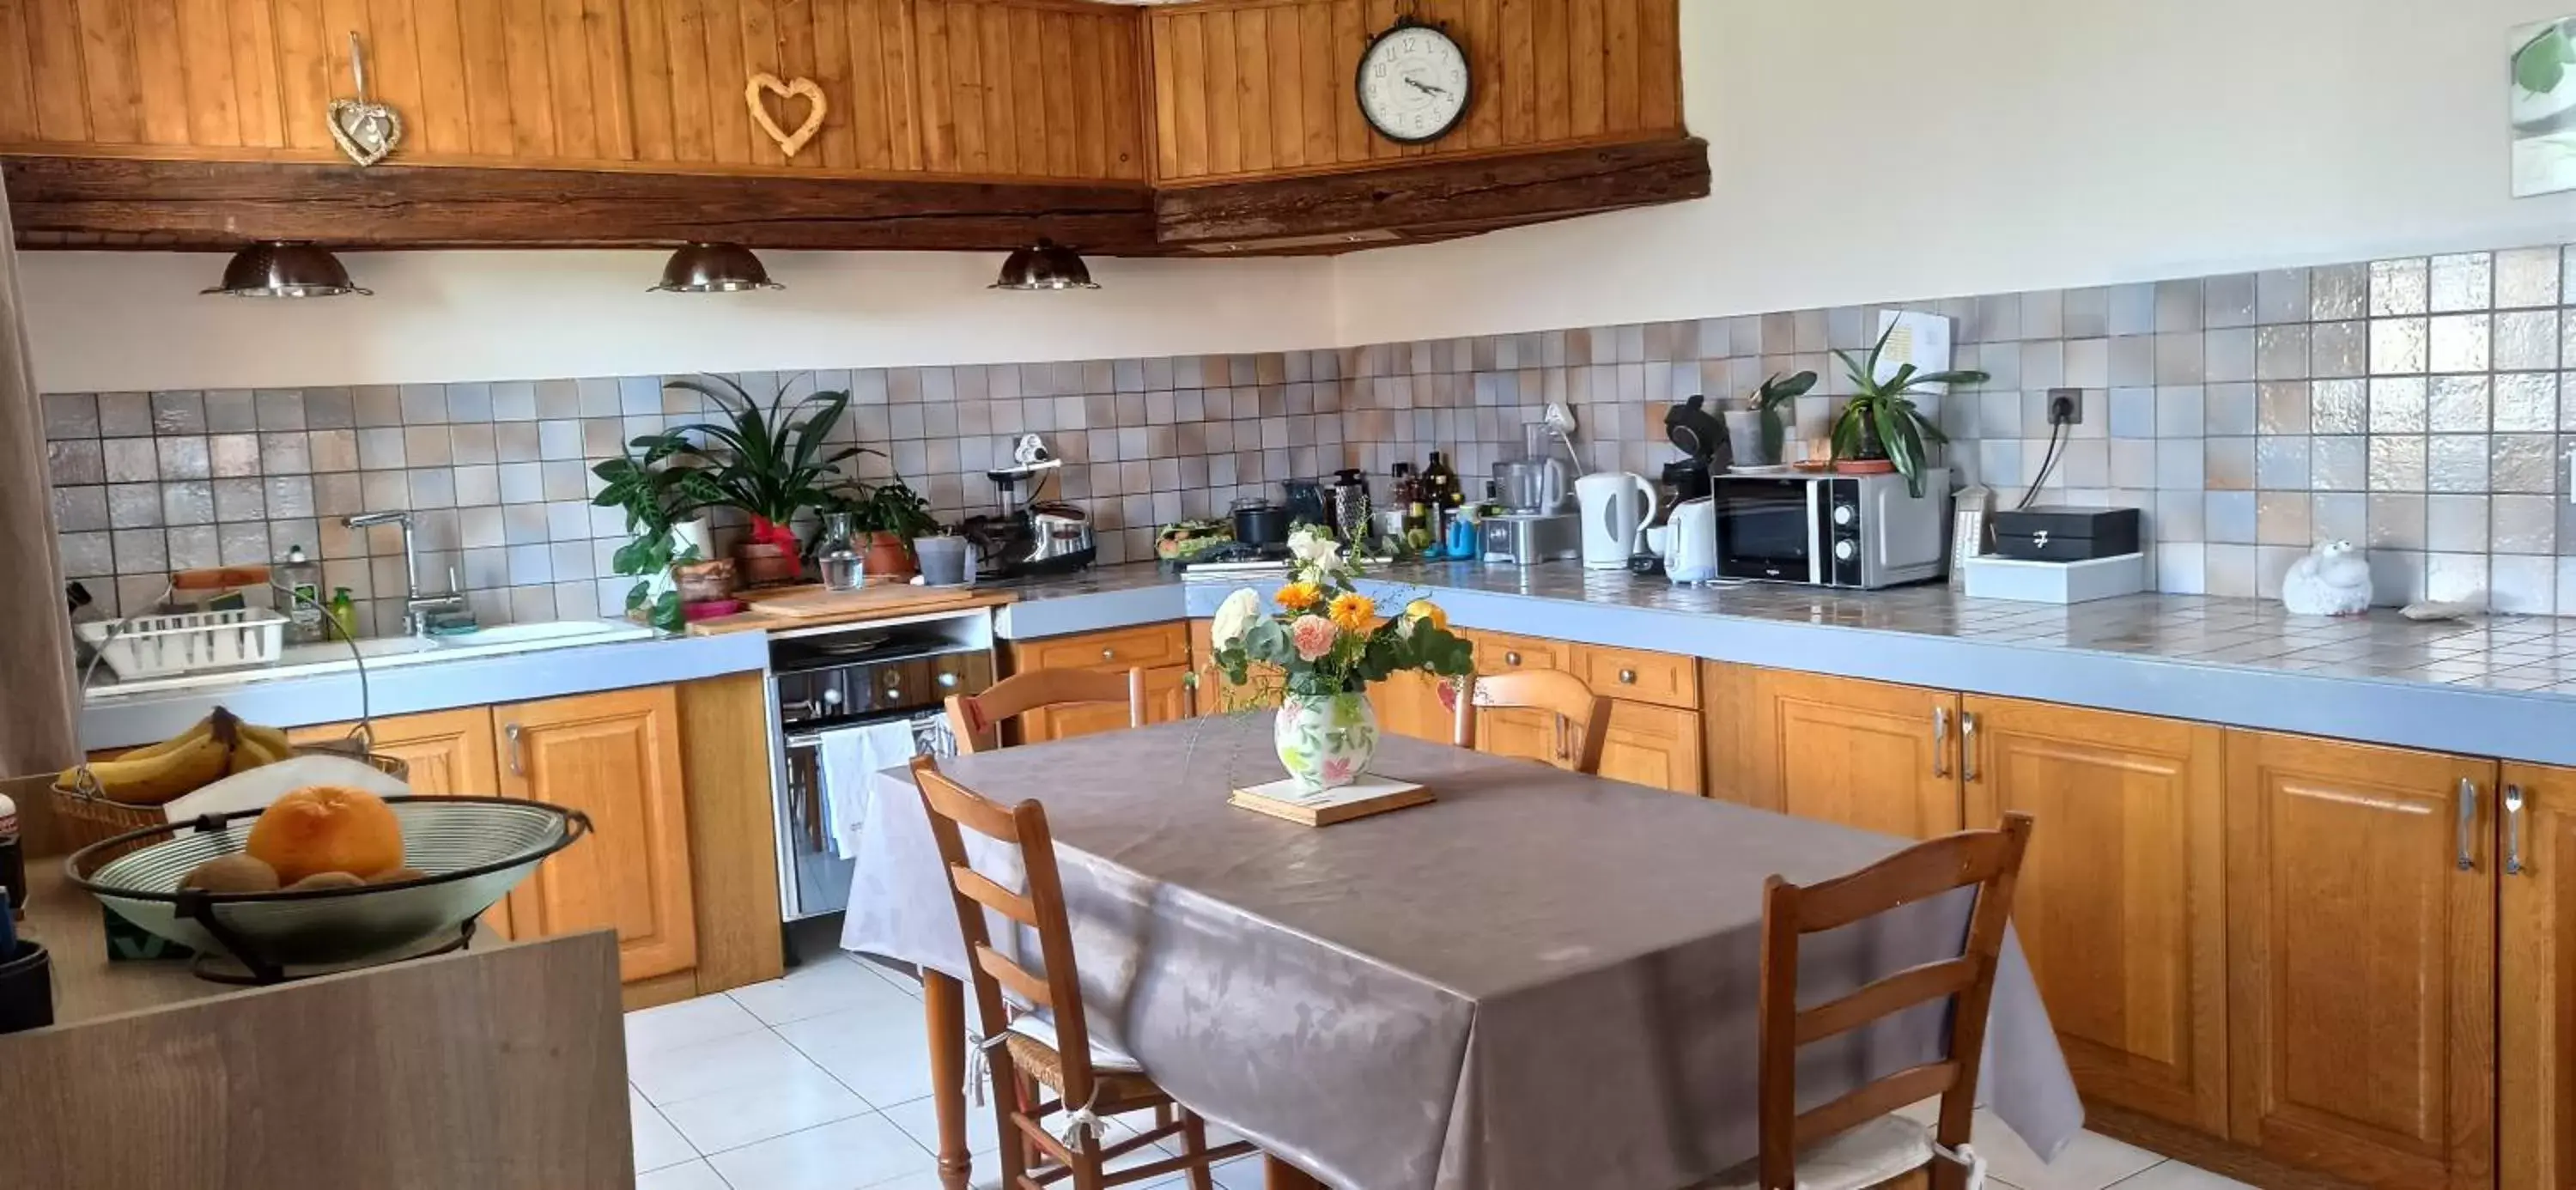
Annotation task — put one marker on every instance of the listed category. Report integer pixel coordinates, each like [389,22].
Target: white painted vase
[1325,741]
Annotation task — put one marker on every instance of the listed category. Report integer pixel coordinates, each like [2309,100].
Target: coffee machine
[1707,451]
[1031,538]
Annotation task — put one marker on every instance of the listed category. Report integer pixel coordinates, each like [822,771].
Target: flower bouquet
[1320,651]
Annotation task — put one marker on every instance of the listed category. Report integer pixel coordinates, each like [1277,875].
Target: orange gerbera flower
[1297,597]
[1352,611]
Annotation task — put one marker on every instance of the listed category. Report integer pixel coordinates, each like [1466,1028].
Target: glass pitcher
[838,556]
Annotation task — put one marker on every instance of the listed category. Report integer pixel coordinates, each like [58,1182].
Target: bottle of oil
[1440,484]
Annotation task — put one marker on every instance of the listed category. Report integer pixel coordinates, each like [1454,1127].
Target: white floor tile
[882,1055]
[863,1151]
[820,988]
[706,1067]
[906,984]
[2091,1161]
[919,1120]
[686,1023]
[741,1115]
[2174,1175]
[696,1175]
[657,1144]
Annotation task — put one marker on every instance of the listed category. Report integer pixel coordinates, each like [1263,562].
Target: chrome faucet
[423,615]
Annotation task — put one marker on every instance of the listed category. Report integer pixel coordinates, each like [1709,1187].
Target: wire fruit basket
[84,815]
[474,850]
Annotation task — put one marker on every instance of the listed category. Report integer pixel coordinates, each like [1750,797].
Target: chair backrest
[1581,718]
[955,809]
[976,719]
[1989,860]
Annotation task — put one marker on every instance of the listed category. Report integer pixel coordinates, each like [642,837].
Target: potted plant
[1879,429]
[1775,402]
[661,500]
[891,514]
[772,461]
[1319,653]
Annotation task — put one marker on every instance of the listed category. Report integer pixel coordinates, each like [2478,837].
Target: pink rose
[1314,636]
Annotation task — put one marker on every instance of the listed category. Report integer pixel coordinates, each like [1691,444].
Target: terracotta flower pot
[1864,466]
[889,558]
[761,565]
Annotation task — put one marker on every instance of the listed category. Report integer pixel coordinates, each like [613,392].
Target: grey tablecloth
[1540,981]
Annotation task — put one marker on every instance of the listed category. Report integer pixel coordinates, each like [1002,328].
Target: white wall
[1867,151]
[112,321]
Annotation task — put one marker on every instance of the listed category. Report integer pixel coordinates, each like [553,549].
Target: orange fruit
[325,828]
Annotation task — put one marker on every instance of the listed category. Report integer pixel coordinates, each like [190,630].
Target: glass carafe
[838,556]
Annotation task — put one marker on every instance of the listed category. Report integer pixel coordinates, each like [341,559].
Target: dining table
[1539,980]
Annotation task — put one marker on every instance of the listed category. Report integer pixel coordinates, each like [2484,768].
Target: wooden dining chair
[976,719]
[1579,719]
[1090,1081]
[1856,1141]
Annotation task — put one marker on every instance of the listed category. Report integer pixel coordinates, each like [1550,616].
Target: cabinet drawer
[1634,675]
[1503,653]
[1149,646]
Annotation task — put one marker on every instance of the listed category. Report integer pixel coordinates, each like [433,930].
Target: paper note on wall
[1922,340]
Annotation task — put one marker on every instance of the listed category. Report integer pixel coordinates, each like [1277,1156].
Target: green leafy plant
[2541,64]
[889,507]
[657,494]
[1326,638]
[771,460]
[1774,401]
[1879,421]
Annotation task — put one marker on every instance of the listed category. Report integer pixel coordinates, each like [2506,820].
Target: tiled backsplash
[2411,405]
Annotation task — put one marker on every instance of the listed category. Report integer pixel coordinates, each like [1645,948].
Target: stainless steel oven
[833,680]
[1830,530]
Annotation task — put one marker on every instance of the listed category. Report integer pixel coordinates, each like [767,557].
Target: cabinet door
[1653,745]
[1167,694]
[615,757]
[2361,944]
[1215,695]
[447,752]
[1864,754]
[2122,904]
[2536,1036]
[1413,705]
[1523,733]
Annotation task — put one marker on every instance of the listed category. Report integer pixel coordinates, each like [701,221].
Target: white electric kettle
[1615,504]
[1690,542]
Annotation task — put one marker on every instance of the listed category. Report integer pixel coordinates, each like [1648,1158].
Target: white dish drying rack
[156,646]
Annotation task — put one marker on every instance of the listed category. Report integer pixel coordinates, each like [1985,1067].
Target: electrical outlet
[2066,406]
[1559,417]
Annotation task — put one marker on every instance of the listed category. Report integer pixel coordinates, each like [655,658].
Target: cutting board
[812,605]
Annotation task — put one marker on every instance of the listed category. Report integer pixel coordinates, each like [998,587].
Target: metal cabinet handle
[1109,654]
[1967,745]
[1940,741]
[1511,658]
[2513,803]
[1627,677]
[518,754]
[2468,823]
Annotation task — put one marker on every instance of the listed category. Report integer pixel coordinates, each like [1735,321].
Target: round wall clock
[1413,83]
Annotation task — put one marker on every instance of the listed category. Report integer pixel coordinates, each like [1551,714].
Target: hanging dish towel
[853,756]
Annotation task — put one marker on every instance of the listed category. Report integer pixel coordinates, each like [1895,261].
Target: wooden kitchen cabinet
[2361,890]
[1653,745]
[2122,905]
[1163,650]
[1871,755]
[450,753]
[2536,1022]
[615,757]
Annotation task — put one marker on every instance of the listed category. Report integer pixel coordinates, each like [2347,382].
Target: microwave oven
[1831,530]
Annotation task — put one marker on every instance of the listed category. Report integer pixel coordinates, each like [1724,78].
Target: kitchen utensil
[1532,487]
[1260,523]
[1305,500]
[1690,542]
[1348,502]
[83,817]
[943,561]
[1462,538]
[153,646]
[473,850]
[1971,511]
[1615,505]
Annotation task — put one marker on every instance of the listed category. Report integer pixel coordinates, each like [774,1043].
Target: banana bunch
[218,746]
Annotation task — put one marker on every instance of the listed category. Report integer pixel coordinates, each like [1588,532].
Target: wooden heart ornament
[756,94]
[365,131]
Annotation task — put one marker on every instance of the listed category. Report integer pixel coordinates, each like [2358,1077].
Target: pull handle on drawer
[1967,745]
[2468,825]
[1940,741]
[1627,677]
[1511,658]
[2513,807]
[518,750]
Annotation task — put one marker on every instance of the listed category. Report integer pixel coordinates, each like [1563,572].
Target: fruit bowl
[473,851]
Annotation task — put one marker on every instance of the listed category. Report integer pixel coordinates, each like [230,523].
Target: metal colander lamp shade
[714,268]
[281,269]
[1045,266]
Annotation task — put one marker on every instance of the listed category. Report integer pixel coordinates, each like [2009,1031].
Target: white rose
[1319,557]
[1235,617]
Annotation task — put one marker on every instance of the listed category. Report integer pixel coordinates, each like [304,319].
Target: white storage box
[1996,577]
[154,646]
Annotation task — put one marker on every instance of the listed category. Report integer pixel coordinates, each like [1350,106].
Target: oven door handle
[804,820]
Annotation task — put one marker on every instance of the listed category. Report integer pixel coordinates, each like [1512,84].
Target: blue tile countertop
[2502,686]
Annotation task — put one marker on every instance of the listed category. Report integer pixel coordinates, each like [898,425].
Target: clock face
[1413,84]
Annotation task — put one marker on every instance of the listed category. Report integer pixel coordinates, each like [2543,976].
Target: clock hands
[1425,88]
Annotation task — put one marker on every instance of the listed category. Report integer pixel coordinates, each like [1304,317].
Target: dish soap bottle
[301,579]
[344,614]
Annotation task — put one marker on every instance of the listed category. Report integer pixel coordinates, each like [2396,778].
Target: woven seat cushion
[1878,1151]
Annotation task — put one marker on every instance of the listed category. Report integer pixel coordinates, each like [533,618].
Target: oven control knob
[1845,551]
[831,698]
[948,681]
[1844,515]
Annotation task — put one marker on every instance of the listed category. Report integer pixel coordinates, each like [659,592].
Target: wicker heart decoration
[365,131]
[755,93]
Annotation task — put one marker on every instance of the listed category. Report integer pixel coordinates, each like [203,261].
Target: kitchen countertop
[2501,686]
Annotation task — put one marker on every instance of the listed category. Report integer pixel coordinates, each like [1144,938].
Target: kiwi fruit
[398,876]
[231,874]
[326,880]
